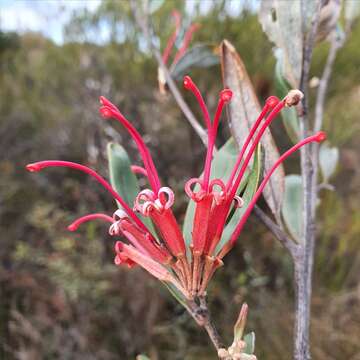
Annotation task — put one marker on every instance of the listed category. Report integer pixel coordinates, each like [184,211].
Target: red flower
[168,259]
[185,41]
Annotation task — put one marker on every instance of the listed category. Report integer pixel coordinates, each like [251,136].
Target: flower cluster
[165,254]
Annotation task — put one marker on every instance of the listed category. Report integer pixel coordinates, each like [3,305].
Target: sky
[50,16]
[45,16]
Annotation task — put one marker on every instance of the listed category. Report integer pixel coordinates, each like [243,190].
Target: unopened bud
[293,97]
[314,82]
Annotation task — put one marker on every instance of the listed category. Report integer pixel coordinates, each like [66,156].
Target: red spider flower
[187,269]
[170,45]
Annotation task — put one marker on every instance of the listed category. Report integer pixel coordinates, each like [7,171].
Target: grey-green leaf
[328,159]
[142,357]
[223,163]
[289,115]
[352,11]
[201,55]
[123,179]
[244,109]
[176,293]
[283,25]
[250,343]
[292,205]
[251,186]
[155,5]
[308,10]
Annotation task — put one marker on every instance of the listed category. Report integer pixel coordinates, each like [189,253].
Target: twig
[335,45]
[202,316]
[324,82]
[213,335]
[278,232]
[179,99]
[143,23]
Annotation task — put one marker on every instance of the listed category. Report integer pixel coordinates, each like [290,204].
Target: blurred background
[61,297]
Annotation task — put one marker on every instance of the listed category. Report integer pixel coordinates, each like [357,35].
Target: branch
[278,232]
[144,25]
[335,45]
[179,98]
[202,317]
[324,82]
[303,264]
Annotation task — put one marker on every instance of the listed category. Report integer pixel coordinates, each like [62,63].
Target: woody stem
[201,314]
[303,264]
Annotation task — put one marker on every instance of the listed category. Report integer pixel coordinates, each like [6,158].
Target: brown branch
[202,317]
[213,335]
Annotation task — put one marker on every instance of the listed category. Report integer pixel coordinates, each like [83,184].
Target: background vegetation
[61,296]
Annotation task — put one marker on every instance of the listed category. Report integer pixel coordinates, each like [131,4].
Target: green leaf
[328,159]
[142,357]
[250,343]
[155,5]
[188,221]
[308,9]
[252,184]
[201,55]
[123,179]
[240,324]
[289,115]
[292,205]
[223,163]
[176,293]
[352,11]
